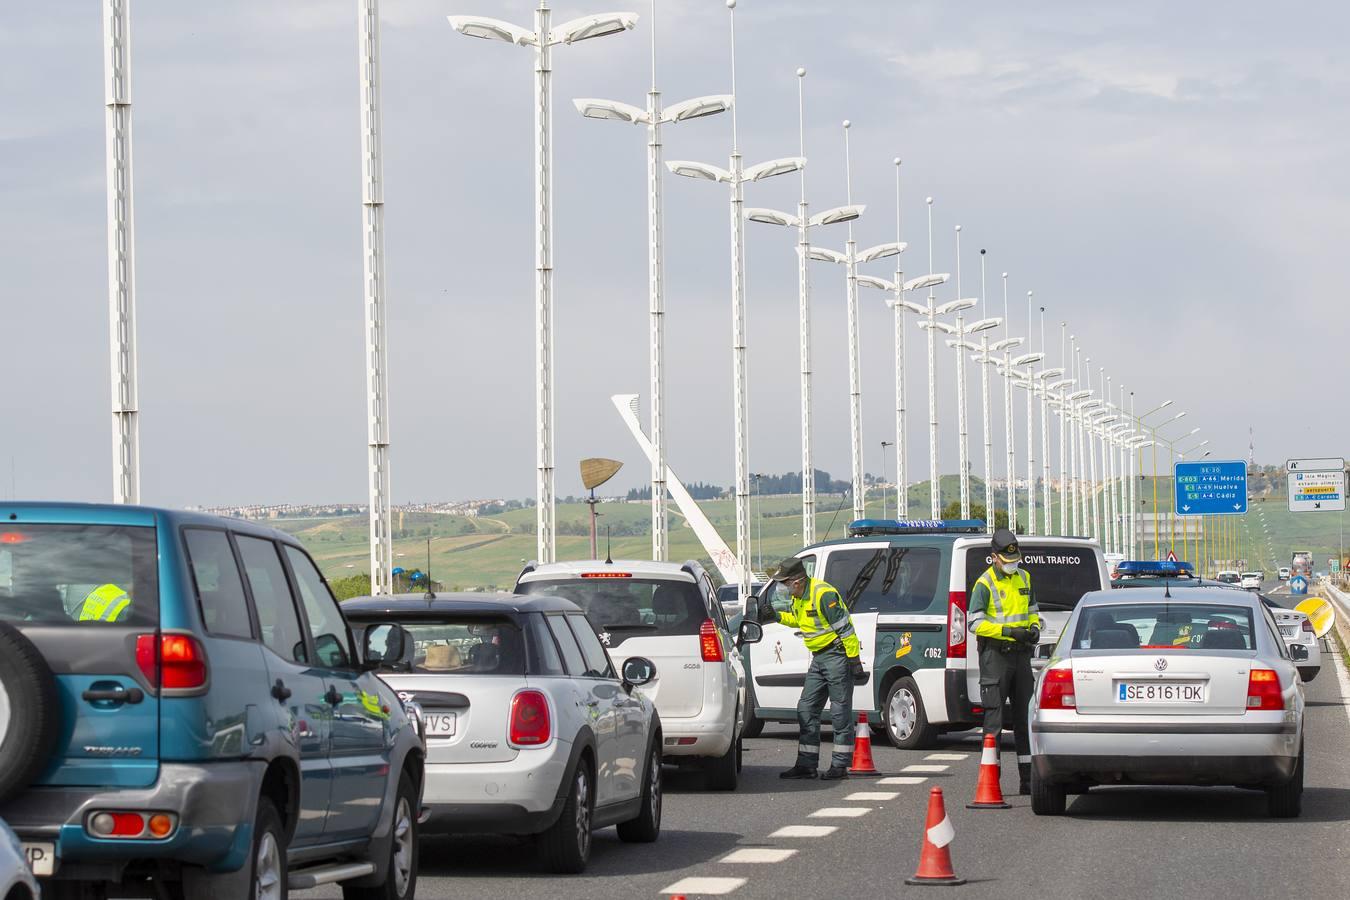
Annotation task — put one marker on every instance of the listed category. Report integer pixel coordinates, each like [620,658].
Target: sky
[1172,183]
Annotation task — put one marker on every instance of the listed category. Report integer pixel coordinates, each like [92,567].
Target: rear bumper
[1189,770]
[515,797]
[216,804]
[696,737]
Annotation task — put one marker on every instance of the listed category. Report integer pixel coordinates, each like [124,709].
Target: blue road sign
[1298,585]
[1210,488]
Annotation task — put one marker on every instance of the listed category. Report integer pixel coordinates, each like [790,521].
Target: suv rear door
[88,596]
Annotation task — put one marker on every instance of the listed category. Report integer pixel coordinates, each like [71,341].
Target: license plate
[41,858]
[440,724]
[1154,692]
[1291,631]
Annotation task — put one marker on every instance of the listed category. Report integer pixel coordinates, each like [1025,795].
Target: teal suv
[183,708]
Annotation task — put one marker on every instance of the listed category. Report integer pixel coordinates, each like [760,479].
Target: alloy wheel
[403,847]
[583,821]
[267,869]
[903,714]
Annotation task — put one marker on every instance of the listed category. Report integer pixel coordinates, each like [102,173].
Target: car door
[630,733]
[298,688]
[358,749]
[732,680]
[595,702]
[778,664]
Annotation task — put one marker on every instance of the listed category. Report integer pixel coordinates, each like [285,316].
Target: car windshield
[1164,625]
[464,646]
[633,606]
[79,575]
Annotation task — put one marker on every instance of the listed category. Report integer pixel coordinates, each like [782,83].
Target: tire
[1047,799]
[400,881]
[30,712]
[722,773]
[565,847]
[268,852]
[646,828]
[1285,801]
[754,725]
[906,722]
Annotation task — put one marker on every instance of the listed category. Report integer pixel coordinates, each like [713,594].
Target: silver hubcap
[655,779]
[267,869]
[583,788]
[403,847]
[903,714]
[4,715]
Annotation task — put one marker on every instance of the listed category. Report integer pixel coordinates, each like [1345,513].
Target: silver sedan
[1150,687]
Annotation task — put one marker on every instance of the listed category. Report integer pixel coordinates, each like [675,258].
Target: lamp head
[801,72]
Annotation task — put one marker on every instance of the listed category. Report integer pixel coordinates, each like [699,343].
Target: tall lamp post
[654,116]
[849,259]
[1042,380]
[735,177]
[962,346]
[884,445]
[804,221]
[542,39]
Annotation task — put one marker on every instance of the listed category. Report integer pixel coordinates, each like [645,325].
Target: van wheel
[1046,799]
[646,828]
[400,879]
[566,847]
[30,712]
[1285,801]
[722,772]
[907,724]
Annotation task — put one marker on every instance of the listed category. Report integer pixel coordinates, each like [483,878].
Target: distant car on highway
[1251,581]
[1297,628]
[530,728]
[729,596]
[1147,687]
[1284,573]
[1228,576]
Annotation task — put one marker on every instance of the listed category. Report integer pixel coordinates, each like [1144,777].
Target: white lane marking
[804,831]
[840,812]
[923,768]
[952,757]
[873,795]
[757,855]
[902,779]
[704,886]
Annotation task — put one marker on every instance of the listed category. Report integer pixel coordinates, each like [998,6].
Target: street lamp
[542,39]
[1042,387]
[654,116]
[850,259]
[1026,381]
[1006,367]
[803,222]
[735,177]
[961,345]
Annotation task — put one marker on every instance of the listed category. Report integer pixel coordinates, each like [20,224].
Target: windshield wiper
[1052,605]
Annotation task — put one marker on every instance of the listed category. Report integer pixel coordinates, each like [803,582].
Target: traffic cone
[935,860]
[862,749]
[989,792]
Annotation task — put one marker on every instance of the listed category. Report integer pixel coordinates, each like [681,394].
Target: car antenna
[1167,589]
[430,594]
[609,556]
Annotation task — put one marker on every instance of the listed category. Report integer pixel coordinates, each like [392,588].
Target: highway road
[861,837]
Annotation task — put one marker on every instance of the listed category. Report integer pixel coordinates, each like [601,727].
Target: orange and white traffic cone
[935,860]
[862,749]
[989,792]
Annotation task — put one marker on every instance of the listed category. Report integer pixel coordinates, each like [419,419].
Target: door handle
[118,694]
[280,691]
[332,697]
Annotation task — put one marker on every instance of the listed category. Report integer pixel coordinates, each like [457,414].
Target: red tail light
[1264,691]
[1307,626]
[956,625]
[1057,690]
[710,642]
[174,662]
[530,725]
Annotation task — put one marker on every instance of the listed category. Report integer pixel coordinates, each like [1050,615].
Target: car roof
[128,514]
[928,539]
[1209,592]
[454,603]
[638,568]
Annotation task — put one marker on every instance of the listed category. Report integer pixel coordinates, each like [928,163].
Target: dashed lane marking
[841,812]
[804,831]
[873,795]
[924,768]
[952,757]
[697,885]
[757,855]
[902,779]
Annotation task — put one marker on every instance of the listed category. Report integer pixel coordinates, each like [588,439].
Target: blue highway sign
[1210,487]
[1298,585]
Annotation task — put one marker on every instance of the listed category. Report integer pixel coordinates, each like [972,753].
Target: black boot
[1024,778]
[799,771]
[835,773]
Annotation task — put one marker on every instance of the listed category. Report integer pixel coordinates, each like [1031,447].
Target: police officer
[105,603]
[1004,618]
[818,612]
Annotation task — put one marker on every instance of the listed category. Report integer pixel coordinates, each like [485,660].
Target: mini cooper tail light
[530,724]
[1264,691]
[1057,690]
[710,642]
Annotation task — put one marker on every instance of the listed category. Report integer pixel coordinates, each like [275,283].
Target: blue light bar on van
[865,527]
[1159,568]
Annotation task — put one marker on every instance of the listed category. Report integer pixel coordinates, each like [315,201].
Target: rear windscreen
[1165,626]
[630,607]
[464,646]
[1060,576]
[87,575]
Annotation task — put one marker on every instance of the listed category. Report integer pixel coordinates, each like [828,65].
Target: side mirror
[749,633]
[384,646]
[1298,653]
[637,671]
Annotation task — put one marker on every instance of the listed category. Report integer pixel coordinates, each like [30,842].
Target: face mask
[1009,567]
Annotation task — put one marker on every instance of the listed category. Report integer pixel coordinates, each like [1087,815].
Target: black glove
[1016,632]
[767,614]
[1034,635]
[856,670]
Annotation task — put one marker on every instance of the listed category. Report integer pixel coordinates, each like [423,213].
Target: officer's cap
[789,569]
[1005,544]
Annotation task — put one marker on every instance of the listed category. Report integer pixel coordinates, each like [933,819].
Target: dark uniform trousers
[1005,673]
[827,677]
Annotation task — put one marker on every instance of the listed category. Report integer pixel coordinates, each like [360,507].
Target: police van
[906,584]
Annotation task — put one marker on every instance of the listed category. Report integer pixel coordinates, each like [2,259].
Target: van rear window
[79,575]
[1060,576]
[629,607]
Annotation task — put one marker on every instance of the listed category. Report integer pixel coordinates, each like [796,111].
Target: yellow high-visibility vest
[1010,604]
[105,603]
[817,631]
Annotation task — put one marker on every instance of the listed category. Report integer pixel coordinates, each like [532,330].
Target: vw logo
[1161,663]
